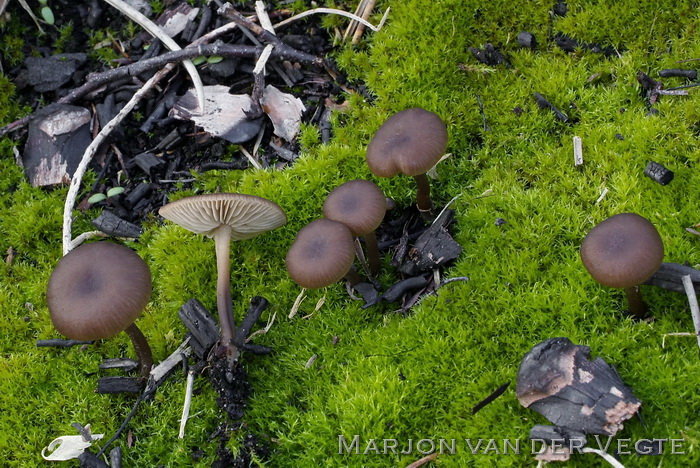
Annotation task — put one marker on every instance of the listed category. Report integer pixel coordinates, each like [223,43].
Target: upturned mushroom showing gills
[322,253]
[225,217]
[409,142]
[98,290]
[361,206]
[623,251]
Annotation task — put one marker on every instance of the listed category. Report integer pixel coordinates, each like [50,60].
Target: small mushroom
[98,290]
[225,217]
[623,251]
[322,253]
[361,206]
[409,142]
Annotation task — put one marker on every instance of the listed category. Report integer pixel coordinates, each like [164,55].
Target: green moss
[413,377]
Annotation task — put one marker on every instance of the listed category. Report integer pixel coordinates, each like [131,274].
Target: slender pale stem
[635,302]
[143,350]
[423,196]
[372,253]
[222,239]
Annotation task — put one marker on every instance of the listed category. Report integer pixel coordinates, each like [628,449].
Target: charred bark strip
[201,325]
[557,380]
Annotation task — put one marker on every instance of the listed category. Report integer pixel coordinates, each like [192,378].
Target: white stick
[606,456]
[602,195]
[693,301]
[263,17]
[188,402]
[332,11]
[578,151]
[167,41]
[90,152]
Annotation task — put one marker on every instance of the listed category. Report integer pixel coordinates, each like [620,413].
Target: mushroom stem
[372,253]
[637,307]
[353,276]
[423,196]
[222,241]
[143,350]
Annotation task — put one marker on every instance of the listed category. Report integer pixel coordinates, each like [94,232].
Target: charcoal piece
[557,433]
[123,364]
[658,173]
[566,43]
[50,73]
[119,385]
[115,457]
[113,225]
[557,380]
[669,276]
[489,55]
[543,103]
[491,397]
[148,162]
[673,72]
[224,69]
[141,191]
[434,248]
[367,291]
[57,343]
[526,39]
[58,136]
[88,459]
[201,325]
[106,111]
[258,304]
[560,8]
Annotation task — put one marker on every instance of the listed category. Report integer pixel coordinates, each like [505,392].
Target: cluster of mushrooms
[98,290]
[409,142]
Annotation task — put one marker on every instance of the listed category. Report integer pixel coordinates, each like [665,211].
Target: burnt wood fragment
[201,325]
[50,73]
[148,162]
[258,304]
[669,276]
[61,343]
[397,290]
[658,173]
[434,248]
[560,8]
[367,291]
[139,192]
[88,459]
[116,384]
[526,39]
[557,380]
[550,434]
[489,55]
[58,136]
[113,225]
[115,457]
[543,103]
[124,364]
[672,72]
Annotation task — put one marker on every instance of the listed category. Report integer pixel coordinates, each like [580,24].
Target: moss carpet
[414,377]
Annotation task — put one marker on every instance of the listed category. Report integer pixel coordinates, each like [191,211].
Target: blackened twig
[258,304]
[481,111]
[60,343]
[496,393]
[545,104]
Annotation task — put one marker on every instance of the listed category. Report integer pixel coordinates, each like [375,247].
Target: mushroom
[98,290]
[623,251]
[410,142]
[225,217]
[322,253]
[361,206]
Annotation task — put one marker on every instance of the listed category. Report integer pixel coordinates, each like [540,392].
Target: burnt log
[434,248]
[557,380]
[201,325]
[113,225]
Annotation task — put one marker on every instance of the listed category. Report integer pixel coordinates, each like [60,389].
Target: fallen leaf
[284,111]
[67,447]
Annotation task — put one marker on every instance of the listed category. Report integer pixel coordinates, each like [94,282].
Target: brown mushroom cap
[409,142]
[98,290]
[359,204]
[622,251]
[247,215]
[322,253]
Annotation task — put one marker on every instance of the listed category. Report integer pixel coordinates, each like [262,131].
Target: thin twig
[92,149]
[188,402]
[360,28]
[693,301]
[426,459]
[154,30]
[333,11]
